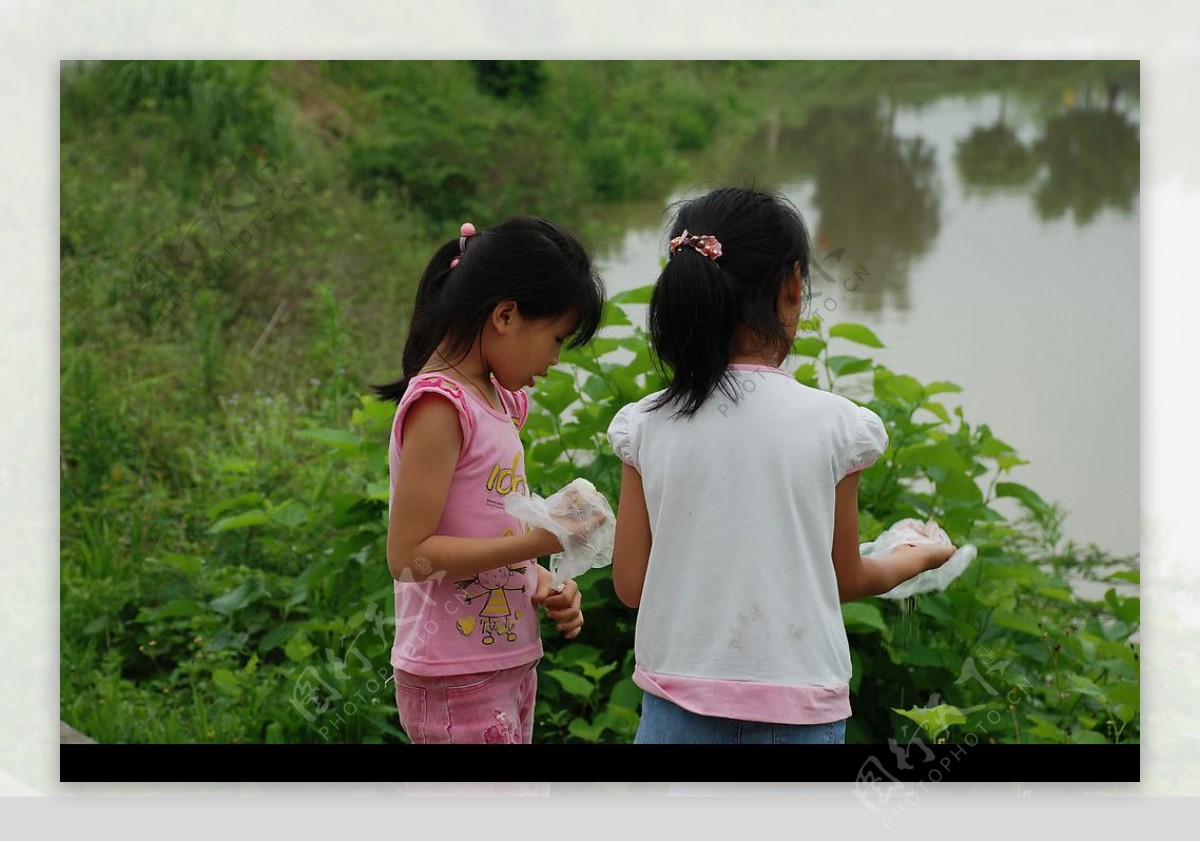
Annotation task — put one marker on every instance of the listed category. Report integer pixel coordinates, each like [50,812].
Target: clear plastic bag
[582,520]
[912,531]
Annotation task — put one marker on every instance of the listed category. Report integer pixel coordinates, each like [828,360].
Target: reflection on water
[989,241]
[1084,160]
[873,192]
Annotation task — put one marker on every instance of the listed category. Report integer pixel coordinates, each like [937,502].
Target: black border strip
[866,765]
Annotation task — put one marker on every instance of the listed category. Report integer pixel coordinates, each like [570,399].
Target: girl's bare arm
[432,441]
[632,548]
[858,577]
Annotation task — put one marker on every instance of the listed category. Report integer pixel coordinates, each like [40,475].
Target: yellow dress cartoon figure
[496,616]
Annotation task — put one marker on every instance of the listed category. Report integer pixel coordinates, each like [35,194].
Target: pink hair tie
[466,231]
[706,244]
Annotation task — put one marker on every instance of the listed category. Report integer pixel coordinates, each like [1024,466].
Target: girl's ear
[504,316]
[792,289]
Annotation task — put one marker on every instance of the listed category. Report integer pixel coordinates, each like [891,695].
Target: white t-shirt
[740,615]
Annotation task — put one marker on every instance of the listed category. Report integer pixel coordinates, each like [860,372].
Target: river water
[996,245]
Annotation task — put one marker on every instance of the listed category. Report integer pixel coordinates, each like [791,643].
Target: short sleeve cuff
[621,434]
[447,389]
[869,442]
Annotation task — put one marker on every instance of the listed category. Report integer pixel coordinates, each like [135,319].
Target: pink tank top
[449,626]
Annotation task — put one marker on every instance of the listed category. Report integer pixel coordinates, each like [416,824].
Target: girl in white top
[737,530]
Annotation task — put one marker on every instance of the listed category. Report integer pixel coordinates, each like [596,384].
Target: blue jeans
[667,722]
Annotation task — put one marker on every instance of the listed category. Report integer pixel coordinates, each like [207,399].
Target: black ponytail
[540,265]
[700,305]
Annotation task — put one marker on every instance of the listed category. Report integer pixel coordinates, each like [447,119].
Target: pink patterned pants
[483,707]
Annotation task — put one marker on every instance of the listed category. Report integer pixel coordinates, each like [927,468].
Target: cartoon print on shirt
[496,618]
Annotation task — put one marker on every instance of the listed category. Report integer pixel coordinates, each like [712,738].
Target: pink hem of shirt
[530,653]
[749,700]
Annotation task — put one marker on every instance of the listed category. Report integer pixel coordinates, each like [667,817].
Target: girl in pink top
[737,530]
[492,311]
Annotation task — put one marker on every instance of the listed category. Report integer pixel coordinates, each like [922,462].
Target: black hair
[541,266]
[699,304]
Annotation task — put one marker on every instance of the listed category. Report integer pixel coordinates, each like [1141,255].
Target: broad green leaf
[939,386]
[1083,684]
[638,295]
[862,616]
[1043,730]
[614,315]
[594,672]
[589,732]
[938,410]
[1006,462]
[242,521]
[596,388]
[626,694]
[842,365]
[1133,576]
[598,347]
[808,346]
[1126,699]
[574,653]
[250,498]
[918,655]
[1026,495]
[290,513]
[175,608]
[1060,594]
[941,454]
[807,374]
[225,679]
[959,487]
[992,446]
[238,598]
[555,392]
[907,389]
[856,333]
[619,719]
[277,635]
[1017,622]
[1127,609]
[934,720]
[573,683]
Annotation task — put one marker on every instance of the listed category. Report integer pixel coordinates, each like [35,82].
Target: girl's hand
[932,555]
[561,606]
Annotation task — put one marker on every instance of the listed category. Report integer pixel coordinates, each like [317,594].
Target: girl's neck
[755,359]
[470,371]
[748,349]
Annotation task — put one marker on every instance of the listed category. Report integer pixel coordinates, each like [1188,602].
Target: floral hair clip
[465,233]
[706,244]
